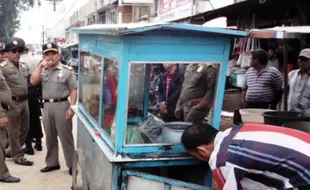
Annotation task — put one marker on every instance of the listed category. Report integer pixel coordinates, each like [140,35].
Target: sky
[33,20]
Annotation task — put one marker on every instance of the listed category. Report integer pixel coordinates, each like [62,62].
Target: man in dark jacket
[34,92]
[169,89]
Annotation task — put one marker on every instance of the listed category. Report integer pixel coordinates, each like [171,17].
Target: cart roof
[288,32]
[69,45]
[131,29]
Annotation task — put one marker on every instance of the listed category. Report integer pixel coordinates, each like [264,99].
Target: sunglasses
[17,50]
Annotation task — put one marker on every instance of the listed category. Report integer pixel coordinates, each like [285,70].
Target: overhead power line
[64,16]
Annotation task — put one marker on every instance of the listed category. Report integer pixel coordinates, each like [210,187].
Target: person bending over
[252,156]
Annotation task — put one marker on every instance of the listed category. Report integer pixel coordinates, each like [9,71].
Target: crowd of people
[25,86]
[184,92]
[263,84]
[247,156]
[259,156]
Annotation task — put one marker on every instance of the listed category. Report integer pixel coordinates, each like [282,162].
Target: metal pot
[278,118]
[298,125]
[172,132]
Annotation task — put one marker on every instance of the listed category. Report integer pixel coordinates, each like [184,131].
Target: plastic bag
[151,130]
[244,58]
[248,45]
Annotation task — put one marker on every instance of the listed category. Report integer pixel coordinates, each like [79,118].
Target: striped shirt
[299,94]
[257,156]
[260,87]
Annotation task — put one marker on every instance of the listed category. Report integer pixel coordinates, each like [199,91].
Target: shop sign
[150,2]
[169,10]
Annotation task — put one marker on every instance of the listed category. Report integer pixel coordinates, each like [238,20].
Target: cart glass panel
[155,117]
[109,96]
[90,72]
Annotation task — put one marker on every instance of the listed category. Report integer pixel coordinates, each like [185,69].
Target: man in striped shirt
[252,156]
[262,84]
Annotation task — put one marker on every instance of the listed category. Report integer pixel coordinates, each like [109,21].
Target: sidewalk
[33,179]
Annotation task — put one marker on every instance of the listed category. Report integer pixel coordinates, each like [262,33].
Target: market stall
[120,145]
[69,53]
[282,33]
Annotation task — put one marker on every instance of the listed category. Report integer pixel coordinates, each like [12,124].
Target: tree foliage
[9,16]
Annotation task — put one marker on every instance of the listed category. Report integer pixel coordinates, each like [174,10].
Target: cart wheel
[79,176]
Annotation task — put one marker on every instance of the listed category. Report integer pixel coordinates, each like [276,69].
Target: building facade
[133,11]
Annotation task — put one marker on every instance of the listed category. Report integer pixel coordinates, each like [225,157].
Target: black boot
[28,150]
[38,145]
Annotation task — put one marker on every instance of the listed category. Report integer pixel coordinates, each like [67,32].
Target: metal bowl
[172,132]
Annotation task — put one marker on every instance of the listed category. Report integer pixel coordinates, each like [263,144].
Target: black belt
[55,100]
[19,98]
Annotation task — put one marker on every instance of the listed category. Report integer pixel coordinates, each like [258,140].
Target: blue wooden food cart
[115,148]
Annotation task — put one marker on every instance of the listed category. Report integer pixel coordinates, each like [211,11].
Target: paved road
[33,179]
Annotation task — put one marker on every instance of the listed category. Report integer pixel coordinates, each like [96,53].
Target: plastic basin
[253,115]
[172,132]
[280,117]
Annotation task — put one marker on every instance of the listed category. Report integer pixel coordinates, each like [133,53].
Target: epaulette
[24,65]
[68,67]
[3,64]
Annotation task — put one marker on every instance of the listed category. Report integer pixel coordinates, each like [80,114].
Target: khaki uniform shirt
[57,82]
[5,94]
[2,113]
[16,77]
[199,82]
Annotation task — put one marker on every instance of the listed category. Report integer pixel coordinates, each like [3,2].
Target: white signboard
[169,10]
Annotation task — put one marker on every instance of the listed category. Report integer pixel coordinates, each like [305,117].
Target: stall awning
[143,28]
[289,32]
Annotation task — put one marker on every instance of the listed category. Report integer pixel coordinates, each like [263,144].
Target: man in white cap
[299,84]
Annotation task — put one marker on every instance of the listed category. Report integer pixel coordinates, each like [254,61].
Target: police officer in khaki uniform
[4,137]
[58,83]
[197,92]
[16,75]
[2,53]
[5,100]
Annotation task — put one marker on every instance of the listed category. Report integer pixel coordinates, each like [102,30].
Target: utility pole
[54,6]
[120,12]
[54,3]
[43,34]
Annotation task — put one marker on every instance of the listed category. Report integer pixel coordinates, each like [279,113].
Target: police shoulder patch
[3,64]
[68,67]
[24,65]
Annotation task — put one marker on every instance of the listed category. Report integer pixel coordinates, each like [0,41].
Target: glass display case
[139,88]
[89,89]
[98,89]
[160,125]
